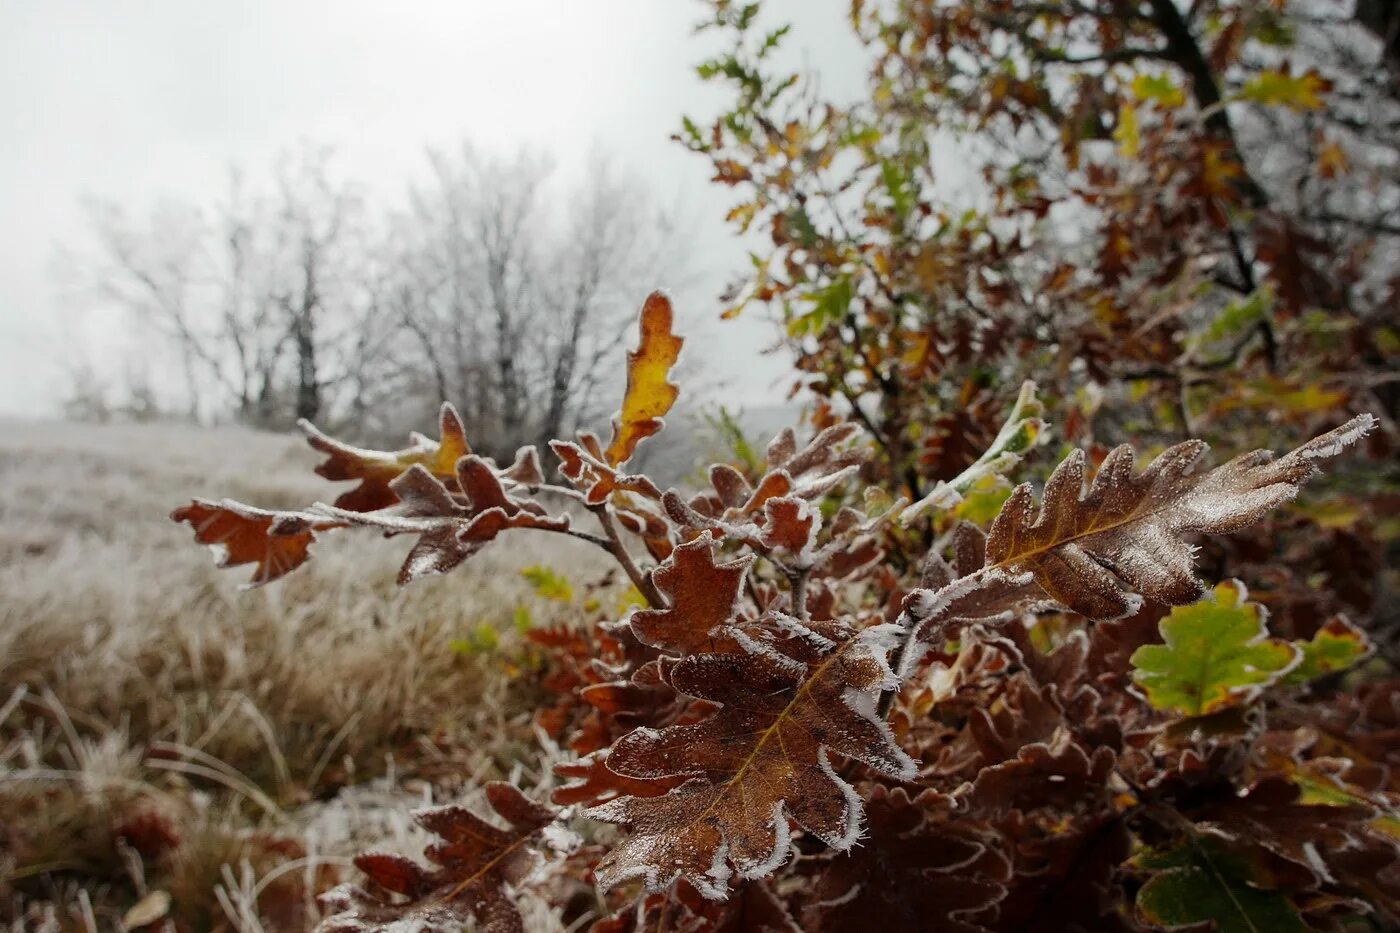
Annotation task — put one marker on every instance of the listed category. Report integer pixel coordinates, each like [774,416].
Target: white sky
[136,101]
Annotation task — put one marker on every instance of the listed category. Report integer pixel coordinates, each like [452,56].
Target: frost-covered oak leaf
[791,524]
[793,703]
[650,392]
[596,480]
[592,782]
[702,598]
[1218,654]
[473,862]
[276,542]
[450,528]
[915,869]
[375,469]
[1128,526]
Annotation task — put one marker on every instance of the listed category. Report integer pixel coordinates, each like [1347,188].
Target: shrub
[1045,724]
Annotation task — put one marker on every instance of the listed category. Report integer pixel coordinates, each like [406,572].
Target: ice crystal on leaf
[376,469]
[475,860]
[1129,526]
[761,766]
[276,542]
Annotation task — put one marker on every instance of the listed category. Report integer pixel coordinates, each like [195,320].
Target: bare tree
[496,285]
[240,290]
[514,288]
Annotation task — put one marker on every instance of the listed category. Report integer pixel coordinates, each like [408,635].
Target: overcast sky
[136,101]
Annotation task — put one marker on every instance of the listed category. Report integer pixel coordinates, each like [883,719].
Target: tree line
[493,282]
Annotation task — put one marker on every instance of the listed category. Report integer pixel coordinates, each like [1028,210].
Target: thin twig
[602,542]
[641,581]
[798,579]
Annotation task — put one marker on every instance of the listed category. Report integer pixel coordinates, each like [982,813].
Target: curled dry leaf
[276,542]
[375,469]
[650,392]
[807,474]
[475,861]
[583,466]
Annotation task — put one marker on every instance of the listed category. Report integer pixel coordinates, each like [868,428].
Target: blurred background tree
[1191,211]
[297,297]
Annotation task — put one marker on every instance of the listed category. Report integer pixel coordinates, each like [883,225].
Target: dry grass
[161,730]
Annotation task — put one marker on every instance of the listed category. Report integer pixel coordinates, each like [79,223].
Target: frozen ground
[163,732]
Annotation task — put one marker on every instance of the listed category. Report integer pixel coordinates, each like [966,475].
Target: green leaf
[1159,89]
[901,189]
[830,307]
[1281,89]
[547,584]
[802,225]
[1218,654]
[1199,882]
[1240,315]
[727,425]
[1270,28]
[773,40]
[522,620]
[1336,646]
[483,638]
[693,133]
[981,503]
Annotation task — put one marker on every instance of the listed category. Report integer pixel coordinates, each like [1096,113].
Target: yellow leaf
[1219,171]
[650,393]
[743,215]
[1127,135]
[1332,160]
[917,352]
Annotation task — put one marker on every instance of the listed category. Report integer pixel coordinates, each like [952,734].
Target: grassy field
[168,738]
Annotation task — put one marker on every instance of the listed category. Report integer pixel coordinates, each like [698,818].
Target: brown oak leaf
[277,542]
[918,868]
[592,782]
[796,697]
[1128,526]
[449,529]
[475,862]
[582,465]
[375,469]
[702,597]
